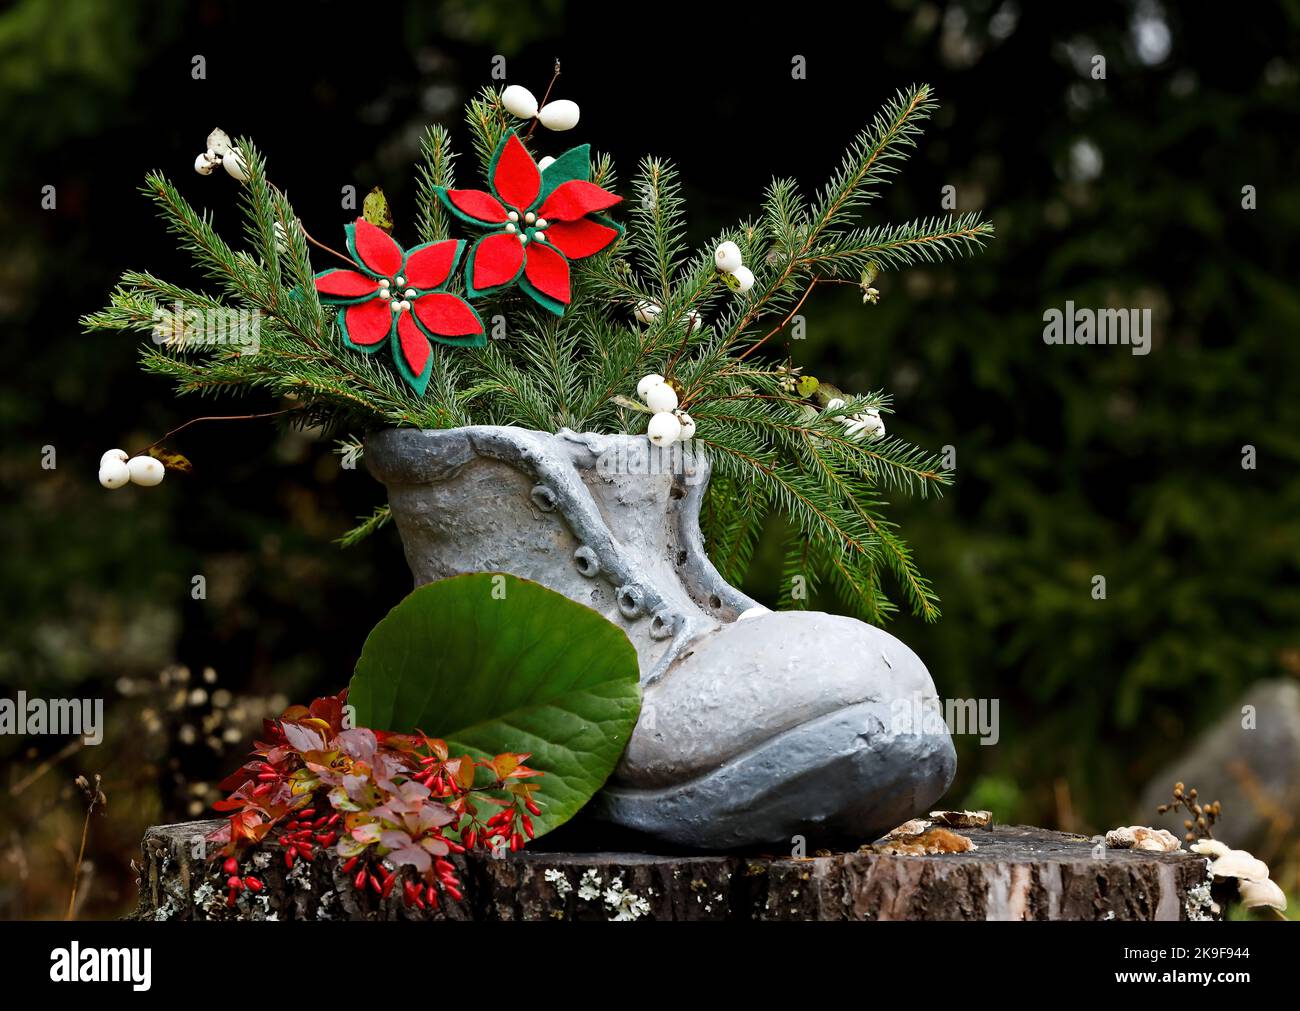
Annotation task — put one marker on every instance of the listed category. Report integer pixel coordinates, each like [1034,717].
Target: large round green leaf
[493,663]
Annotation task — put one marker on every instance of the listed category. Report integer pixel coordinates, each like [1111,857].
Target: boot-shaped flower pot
[756,726]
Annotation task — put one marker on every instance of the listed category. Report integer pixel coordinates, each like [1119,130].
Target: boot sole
[855,780]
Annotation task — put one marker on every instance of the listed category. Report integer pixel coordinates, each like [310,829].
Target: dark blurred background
[1071,461]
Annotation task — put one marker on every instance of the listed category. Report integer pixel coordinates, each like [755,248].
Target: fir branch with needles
[783,463]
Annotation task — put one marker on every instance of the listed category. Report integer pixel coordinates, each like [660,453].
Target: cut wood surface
[1014,873]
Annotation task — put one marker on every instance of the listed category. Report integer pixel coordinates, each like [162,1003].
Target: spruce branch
[779,462]
[437,169]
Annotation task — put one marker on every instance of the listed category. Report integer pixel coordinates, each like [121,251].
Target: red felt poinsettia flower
[540,220]
[400,296]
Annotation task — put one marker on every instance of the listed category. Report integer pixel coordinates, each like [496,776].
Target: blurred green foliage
[1071,462]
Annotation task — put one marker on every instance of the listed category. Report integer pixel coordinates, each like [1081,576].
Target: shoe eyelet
[663,625]
[630,600]
[587,562]
[543,498]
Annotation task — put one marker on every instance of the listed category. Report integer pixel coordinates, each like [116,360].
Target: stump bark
[1014,873]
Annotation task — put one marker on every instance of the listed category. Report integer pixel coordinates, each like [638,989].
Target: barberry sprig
[390,807]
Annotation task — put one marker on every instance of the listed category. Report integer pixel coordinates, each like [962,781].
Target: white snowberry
[727,257]
[834,404]
[113,473]
[218,143]
[694,319]
[113,454]
[519,101]
[546,163]
[868,425]
[559,115]
[661,397]
[205,163]
[664,428]
[146,471]
[234,166]
[742,279]
[687,423]
[647,383]
[647,311]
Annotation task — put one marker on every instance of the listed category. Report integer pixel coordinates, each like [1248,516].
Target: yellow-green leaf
[375,210]
[171,459]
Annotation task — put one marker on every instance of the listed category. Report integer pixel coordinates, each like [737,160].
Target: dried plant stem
[81,855]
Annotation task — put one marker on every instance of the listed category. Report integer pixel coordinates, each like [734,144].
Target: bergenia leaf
[491,673]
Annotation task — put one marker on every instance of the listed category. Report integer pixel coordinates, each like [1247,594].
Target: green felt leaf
[418,383]
[375,210]
[575,163]
[493,663]
[548,303]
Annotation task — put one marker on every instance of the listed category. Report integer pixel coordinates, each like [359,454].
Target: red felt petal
[430,266]
[446,315]
[478,205]
[415,346]
[548,272]
[516,180]
[344,283]
[576,239]
[368,322]
[376,248]
[496,261]
[575,198]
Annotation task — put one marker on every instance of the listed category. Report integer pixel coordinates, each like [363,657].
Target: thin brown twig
[791,314]
[329,249]
[67,751]
[554,76]
[308,236]
[216,417]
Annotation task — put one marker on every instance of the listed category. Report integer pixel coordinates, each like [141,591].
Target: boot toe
[784,725]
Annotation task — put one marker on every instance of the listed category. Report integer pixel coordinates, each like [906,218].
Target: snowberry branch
[545,97]
[216,417]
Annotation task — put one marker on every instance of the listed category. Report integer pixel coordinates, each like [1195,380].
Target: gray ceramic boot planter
[752,731]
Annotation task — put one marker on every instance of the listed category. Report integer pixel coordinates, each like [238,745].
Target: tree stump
[1014,873]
